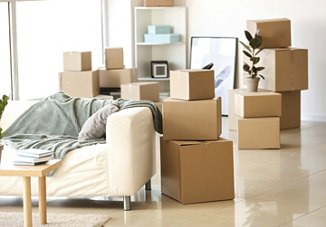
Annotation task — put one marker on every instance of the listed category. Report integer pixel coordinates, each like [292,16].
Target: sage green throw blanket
[54,122]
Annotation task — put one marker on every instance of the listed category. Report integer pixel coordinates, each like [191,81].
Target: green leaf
[260,68]
[262,76]
[255,60]
[258,51]
[247,54]
[246,67]
[245,46]
[248,36]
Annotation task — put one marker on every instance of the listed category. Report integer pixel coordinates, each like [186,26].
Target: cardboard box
[192,84]
[159,105]
[275,32]
[194,172]
[192,120]
[291,110]
[259,133]
[158,2]
[257,104]
[286,69]
[141,91]
[114,58]
[80,84]
[113,78]
[77,61]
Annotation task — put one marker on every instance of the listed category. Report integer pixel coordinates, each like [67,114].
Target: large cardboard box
[192,84]
[113,78]
[158,2]
[286,69]
[77,61]
[114,58]
[259,133]
[291,110]
[194,172]
[257,104]
[80,84]
[141,91]
[192,120]
[275,32]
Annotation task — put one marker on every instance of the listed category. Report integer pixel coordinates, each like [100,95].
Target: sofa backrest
[13,110]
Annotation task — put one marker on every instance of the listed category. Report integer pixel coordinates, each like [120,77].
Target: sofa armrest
[131,140]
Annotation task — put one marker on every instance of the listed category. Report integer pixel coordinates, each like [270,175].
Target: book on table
[34,153]
[32,157]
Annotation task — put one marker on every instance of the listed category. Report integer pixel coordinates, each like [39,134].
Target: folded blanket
[54,122]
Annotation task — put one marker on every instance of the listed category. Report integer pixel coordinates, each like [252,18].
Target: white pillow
[94,127]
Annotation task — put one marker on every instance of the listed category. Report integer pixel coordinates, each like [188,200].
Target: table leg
[27,202]
[42,199]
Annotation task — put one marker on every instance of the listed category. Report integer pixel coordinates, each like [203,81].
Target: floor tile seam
[303,215]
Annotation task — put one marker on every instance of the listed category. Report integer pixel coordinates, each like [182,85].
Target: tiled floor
[285,187]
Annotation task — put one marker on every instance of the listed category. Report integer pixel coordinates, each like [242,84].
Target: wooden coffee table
[26,172]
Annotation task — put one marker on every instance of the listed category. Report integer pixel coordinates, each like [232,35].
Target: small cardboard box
[257,104]
[77,61]
[259,133]
[275,32]
[291,110]
[114,58]
[141,91]
[113,78]
[80,84]
[158,2]
[192,120]
[286,69]
[192,84]
[194,172]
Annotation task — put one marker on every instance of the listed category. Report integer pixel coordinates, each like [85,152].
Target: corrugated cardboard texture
[275,32]
[158,2]
[115,77]
[77,61]
[114,58]
[257,104]
[286,69]
[291,110]
[141,91]
[259,133]
[193,172]
[80,84]
[192,84]
[192,120]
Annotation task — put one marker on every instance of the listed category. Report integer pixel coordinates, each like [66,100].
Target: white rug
[15,219]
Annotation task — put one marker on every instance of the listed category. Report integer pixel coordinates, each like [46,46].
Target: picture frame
[222,52]
[159,69]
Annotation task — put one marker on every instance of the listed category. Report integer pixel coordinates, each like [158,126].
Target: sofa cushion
[94,127]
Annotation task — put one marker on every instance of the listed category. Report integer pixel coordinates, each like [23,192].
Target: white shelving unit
[174,53]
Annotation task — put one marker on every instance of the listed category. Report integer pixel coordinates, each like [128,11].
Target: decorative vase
[252,83]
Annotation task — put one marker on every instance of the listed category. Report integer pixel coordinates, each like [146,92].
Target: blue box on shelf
[162,38]
[159,29]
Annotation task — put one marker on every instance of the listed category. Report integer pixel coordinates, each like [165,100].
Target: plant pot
[252,83]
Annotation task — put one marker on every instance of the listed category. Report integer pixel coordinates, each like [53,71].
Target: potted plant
[252,50]
[3,103]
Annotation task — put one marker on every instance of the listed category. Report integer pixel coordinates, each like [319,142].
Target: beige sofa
[118,168]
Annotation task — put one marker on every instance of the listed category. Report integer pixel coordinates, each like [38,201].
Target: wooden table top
[9,169]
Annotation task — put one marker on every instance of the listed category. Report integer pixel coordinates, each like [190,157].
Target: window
[5,75]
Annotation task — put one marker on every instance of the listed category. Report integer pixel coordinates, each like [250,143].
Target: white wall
[228,18]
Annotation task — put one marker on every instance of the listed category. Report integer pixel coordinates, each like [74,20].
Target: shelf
[152,79]
[158,44]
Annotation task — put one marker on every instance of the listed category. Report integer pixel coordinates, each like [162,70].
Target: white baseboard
[318,118]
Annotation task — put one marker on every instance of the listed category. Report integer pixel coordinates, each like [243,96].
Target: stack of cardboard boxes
[286,72]
[78,79]
[196,164]
[286,68]
[258,116]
